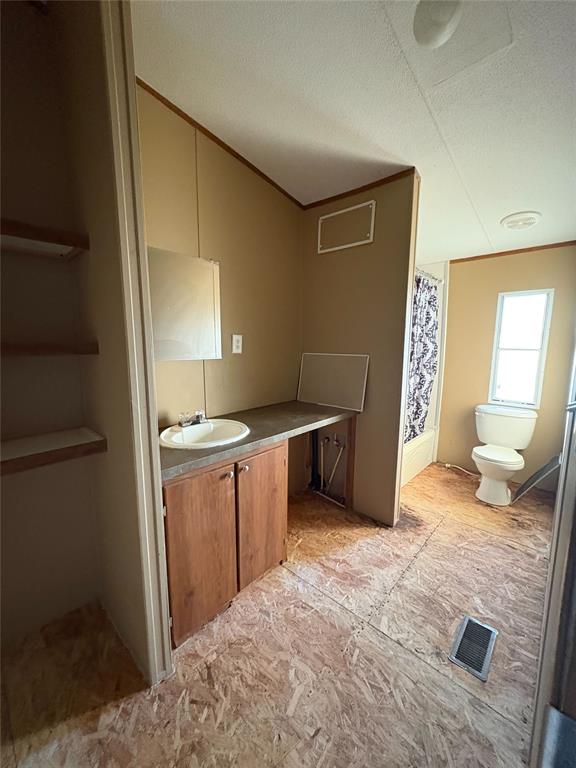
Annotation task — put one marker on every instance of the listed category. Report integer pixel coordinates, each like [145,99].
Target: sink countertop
[268,425]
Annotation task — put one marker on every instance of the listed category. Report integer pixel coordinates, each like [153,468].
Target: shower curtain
[423,355]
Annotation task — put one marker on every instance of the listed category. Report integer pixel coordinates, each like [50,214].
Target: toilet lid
[499,454]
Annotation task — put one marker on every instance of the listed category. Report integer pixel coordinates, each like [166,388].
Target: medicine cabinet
[185,298]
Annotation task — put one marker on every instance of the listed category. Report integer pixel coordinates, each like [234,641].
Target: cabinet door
[262,483]
[201,548]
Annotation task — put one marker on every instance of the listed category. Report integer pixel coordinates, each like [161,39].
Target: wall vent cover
[473,647]
[347,228]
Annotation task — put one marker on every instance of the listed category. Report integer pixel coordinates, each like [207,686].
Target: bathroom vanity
[226,509]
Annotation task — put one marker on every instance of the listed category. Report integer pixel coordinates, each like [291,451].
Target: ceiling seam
[438,129]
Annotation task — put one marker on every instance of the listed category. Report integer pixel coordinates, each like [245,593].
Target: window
[522,326]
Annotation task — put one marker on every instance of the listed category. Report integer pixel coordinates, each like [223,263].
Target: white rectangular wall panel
[338,380]
[346,228]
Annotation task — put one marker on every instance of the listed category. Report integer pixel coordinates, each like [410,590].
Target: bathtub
[417,454]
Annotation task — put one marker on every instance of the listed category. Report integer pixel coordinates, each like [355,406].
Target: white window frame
[543,348]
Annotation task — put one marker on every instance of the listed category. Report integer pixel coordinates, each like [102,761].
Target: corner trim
[531,248]
[199,127]
[118,50]
[364,188]
[227,148]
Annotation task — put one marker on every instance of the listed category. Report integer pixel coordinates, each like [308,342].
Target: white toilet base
[495,492]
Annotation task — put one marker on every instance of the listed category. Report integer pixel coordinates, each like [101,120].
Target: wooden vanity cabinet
[201,548]
[262,503]
[225,526]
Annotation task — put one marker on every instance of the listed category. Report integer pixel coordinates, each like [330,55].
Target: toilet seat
[498,454]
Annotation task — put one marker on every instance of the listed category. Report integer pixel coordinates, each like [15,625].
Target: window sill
[506,404]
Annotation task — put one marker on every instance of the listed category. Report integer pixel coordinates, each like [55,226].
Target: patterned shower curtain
[423,355]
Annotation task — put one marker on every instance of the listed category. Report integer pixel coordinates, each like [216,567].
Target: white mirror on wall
[185,299]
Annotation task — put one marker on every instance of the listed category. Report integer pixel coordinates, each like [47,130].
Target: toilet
[504,430]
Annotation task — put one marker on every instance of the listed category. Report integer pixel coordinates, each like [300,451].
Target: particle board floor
[336,659]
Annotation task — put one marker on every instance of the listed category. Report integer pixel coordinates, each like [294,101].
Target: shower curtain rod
[437,280]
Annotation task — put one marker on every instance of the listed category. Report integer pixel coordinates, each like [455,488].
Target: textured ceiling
[327,96]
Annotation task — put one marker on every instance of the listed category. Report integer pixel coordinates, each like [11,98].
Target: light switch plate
[236,344]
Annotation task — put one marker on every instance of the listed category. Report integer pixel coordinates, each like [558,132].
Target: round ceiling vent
[435,21]
[521,220]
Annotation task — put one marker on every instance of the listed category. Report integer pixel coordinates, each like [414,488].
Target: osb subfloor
[336,659]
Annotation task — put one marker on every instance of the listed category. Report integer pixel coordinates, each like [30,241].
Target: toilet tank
[501,425]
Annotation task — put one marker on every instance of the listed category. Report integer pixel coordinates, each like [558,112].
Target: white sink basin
[209,434]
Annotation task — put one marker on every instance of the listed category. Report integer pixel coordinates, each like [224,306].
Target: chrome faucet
[187,420]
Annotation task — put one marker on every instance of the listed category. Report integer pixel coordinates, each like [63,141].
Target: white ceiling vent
[521,220]
[435,21]
[442,39]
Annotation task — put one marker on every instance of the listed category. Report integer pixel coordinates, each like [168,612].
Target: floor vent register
[473,647]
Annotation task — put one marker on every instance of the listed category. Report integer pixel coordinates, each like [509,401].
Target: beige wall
[168,153]
[50,557]
[355,301]
[39,305]
[473,295]
[255,233]
[274,288]
[50,545]
[169,183]
[107,381]
[36,165]
[70,531]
